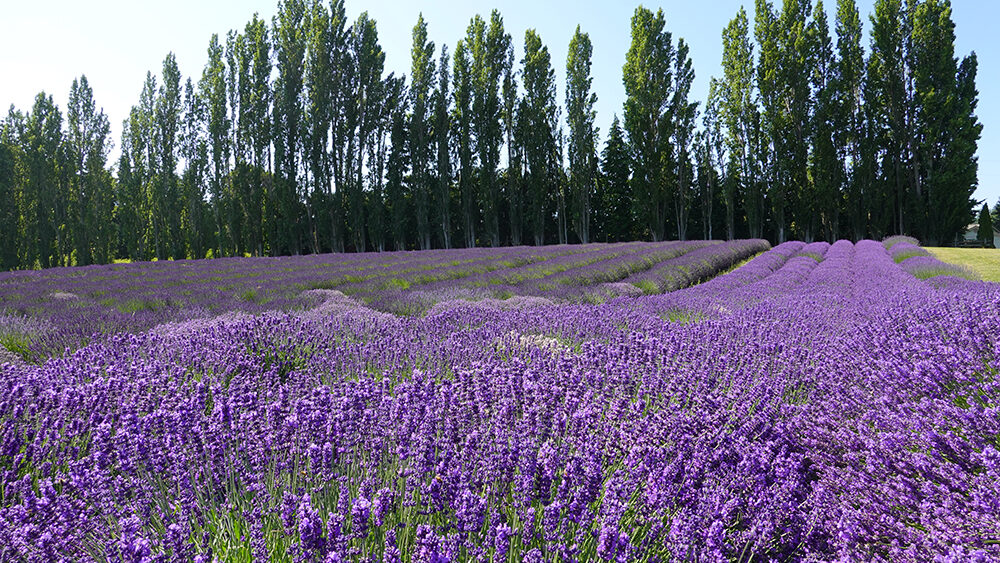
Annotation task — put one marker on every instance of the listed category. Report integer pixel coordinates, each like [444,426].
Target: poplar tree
[318,84]
[515,151]
[819,208]
[847,120]
[888,75]
[88,143]
[42,192]
[290,49]
[421,81]
[489,47]
[735,112]
[9,209]
[133,172]
[440,138]
[783,84]
[255,123]
[388,158]
[212,88]
[462,123]
[648,78]
[396,172]
[709,155]
[946,125]
[540,130]
[362,114]
[165,203]
[331,207]
[683,115]
[194,151]
[580,116]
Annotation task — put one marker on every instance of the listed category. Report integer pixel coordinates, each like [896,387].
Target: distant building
[972,236]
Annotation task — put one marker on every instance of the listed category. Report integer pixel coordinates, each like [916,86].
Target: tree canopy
[293,138]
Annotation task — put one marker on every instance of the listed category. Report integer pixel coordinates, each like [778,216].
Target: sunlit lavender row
[820,402]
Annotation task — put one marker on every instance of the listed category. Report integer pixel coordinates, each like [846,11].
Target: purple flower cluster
[818,403]
[693,267]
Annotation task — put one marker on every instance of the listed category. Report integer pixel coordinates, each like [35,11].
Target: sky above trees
[114,43]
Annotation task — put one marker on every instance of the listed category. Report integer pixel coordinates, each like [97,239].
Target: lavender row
[702,263]
[906,252]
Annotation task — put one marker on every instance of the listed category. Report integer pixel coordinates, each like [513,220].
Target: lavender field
[572,403]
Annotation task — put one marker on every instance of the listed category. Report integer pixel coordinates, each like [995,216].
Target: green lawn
[983,261]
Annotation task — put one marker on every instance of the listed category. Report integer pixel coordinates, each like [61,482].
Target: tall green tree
[332,206]
[736,113]
[847,120]
[819,208]
[290,50]
[195,216]
[515,152]
[388,158]
[947,129]
[580,116]
[362,114]
[421,84]
[615,197]
[440,138]
[648,75]
[135,170]
[710,152]
[541,122]
[684,114]
[88,143]
[165,200]
[888,75]
[489,47]
[212,89]
[43,195]
[397,166]
[318,84]
[462,120]
[255,122]
[9,208]
[985,234]
[783,74]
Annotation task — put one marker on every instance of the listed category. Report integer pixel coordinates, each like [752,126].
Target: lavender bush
[831,409]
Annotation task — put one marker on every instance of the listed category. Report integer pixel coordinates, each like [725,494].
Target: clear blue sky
[45,45]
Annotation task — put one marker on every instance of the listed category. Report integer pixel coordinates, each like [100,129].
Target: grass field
[983,261]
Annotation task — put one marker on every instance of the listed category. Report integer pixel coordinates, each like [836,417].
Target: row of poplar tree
[295,140]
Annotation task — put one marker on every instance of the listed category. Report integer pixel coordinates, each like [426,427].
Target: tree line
[294,139]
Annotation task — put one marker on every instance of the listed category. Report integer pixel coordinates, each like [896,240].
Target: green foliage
[614,217]
[648,77]
[489,48]
[293,140]
[8,204]
[421,79]
[440,136]
[540,121]
[985,234]
[736,113]
[580,116]
[19,344]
